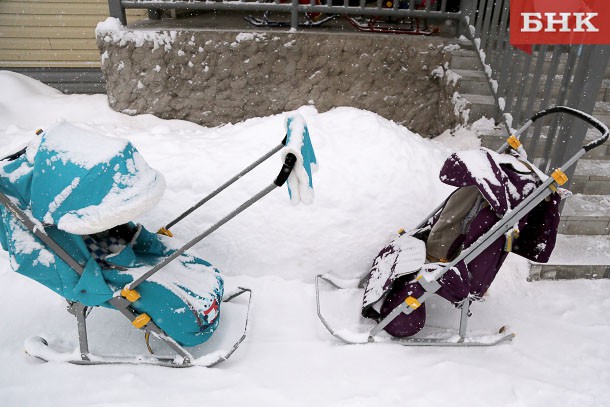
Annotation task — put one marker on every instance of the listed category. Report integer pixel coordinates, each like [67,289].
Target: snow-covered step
[575,257]
[586,215]
[465,43]
[472,81]
[480,106]
[592,177]
[465,59]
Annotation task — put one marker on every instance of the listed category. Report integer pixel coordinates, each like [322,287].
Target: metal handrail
[425,8]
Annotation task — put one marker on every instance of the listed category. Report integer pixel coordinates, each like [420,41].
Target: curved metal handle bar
[601,127]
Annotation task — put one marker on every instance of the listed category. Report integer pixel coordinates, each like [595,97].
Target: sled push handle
[287,168]
[165,230]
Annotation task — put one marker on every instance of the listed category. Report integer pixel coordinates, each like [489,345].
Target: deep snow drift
[374,177]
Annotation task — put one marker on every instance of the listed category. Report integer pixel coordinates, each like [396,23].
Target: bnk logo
[553,22]
[559,22]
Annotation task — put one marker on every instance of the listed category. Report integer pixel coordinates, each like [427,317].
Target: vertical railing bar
[512,81]
[505,48]
[497,15]
[443,6]
[464,22]
[486,24]
[533,94]
[294,15]
[544,102]
[525,79]
[116,10]
[480,15]
[507,56]
[492,49]
[553,143]
[503,40]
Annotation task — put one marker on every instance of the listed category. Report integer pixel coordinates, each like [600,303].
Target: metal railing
[523,84]
[432,9]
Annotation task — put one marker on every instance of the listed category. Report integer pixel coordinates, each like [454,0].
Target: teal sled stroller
[68,201]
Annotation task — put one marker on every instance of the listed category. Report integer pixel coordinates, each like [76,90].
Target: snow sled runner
[503,204]
[66,211]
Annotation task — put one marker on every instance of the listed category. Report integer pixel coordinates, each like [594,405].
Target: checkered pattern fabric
[101,246]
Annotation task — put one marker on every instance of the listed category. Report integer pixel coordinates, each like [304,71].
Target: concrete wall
[216,77]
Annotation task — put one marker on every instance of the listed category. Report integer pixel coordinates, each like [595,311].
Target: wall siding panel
[52,33]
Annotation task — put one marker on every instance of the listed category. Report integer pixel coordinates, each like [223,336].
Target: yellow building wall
[52,33]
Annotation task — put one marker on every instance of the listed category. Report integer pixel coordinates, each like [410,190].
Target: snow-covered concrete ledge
[214,77]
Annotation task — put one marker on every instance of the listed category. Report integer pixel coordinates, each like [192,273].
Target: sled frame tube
[226,184]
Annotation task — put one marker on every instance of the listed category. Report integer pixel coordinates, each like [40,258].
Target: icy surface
[560,357]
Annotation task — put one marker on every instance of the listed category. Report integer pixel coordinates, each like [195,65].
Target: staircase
[585,218]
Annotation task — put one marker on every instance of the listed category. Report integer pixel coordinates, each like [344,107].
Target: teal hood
[67,186]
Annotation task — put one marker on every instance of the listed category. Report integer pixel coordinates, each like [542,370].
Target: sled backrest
[452,223]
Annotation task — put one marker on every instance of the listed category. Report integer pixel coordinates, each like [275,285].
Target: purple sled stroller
[503,203]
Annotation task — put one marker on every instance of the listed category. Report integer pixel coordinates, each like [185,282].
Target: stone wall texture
[216,77]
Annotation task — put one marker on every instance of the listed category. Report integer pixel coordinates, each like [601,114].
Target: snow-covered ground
[374,178]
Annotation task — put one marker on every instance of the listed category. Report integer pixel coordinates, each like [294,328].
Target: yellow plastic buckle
[559,176]
[39,132]
[141,320]
[165,232]
[514,142]
[130,295]
[401,232]
[412,302]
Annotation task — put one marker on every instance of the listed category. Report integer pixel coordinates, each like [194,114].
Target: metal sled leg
[39,347]
[446,338]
